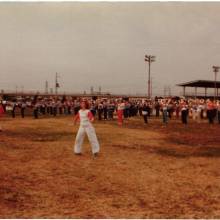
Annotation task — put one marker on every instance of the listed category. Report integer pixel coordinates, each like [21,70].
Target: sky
[104,44]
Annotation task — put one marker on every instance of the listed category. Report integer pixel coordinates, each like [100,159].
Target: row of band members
[105,109]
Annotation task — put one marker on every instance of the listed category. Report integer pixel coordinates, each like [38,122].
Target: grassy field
[143,171]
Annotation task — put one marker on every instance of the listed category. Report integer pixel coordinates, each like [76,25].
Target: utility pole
[215,70]
[149,59]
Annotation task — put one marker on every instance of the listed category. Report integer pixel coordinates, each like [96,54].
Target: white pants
[194,114]
[90,131]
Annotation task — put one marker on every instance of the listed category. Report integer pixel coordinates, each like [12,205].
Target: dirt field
[143,171]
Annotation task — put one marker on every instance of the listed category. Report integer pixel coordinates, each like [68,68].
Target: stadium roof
[201,83]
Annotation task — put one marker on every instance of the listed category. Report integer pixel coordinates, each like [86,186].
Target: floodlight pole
[56,83]
[149,93]
[149,59]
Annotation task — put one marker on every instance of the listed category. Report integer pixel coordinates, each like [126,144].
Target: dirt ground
[143,171]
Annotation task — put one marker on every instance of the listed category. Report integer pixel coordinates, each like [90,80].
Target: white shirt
[84,117]
[121,106]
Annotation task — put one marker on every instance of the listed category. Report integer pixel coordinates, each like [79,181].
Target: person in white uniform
[86,118]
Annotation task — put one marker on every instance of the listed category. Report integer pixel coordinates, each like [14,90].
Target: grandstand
[204,84]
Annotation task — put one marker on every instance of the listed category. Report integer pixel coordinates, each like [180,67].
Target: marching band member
[184,111]
[1,114]
[210,111]
[111,109]
[199,111]
[145,110]
[194,110]
[157,108]
[36,110]
[85,117]
[105,110]
[164,108]
[100,111]
[120,111]
[218,111]
[23,107]
[13,105]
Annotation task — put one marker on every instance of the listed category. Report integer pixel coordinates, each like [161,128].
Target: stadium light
[149,59]
[57,85]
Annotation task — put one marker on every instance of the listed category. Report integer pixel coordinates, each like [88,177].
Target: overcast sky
[103,44]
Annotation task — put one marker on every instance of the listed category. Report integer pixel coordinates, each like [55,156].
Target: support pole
[149,95]
[215,85]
